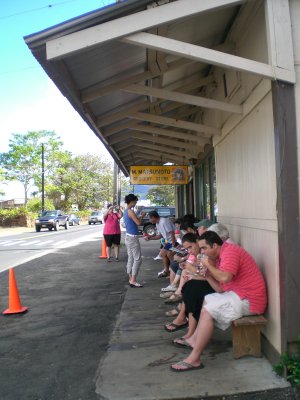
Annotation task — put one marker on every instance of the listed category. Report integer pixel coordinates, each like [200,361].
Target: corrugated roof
[113,84]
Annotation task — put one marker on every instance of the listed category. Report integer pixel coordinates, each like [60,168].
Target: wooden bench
[246,336]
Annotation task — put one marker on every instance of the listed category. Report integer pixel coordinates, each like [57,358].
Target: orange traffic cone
[104,253]
[14,306]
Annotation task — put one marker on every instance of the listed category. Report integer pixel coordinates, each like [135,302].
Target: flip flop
[175,326]
[165,295]
[172,313]
[175,298]
[181,342]
[135,285]
[188,366]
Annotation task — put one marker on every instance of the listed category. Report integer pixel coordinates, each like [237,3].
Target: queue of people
[211,280]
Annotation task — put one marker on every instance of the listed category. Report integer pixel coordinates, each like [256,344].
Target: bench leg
[246,341]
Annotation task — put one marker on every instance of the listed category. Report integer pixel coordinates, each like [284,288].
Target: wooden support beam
[140,21]
[184,98]
[209,56]
[157,119]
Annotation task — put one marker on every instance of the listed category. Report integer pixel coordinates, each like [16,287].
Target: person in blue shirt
[132,242]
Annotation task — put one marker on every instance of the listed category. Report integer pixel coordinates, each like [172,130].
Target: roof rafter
[153,17]
[210,56]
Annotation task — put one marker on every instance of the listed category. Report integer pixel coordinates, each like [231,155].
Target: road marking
[30,243]
[45,242]
[13,243]
[60,243]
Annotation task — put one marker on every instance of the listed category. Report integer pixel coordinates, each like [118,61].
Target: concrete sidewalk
[88,332]
[137,362]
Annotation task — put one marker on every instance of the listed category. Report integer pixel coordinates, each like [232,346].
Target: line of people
[212,280]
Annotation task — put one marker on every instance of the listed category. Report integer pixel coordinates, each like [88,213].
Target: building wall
[295,19]
[245,162]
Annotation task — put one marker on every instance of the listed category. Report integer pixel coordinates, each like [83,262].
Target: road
[20,248]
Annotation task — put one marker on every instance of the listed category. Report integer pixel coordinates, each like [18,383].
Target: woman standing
[112,231]
[132,240]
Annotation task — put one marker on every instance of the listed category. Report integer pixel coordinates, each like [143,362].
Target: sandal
[169,288]
[175,298]
[186,366]
[165,295]
[163,274]
[172,313]
[181,342]
[135,285]
[175,326]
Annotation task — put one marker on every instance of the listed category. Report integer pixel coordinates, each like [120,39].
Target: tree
[23,161]
[163,195]
[85,180]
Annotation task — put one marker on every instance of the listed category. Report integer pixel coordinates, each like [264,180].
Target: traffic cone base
[21,310]
[14,303]
[104,253]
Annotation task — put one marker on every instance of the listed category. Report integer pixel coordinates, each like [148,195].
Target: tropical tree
[86,180]
[23,161]
[163,195]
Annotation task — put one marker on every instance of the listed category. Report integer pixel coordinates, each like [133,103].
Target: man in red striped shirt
[240,290]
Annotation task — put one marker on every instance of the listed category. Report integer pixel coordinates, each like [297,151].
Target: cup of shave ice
[202,268]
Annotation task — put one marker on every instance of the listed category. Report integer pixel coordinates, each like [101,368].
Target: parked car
[52,220]
[146,226]
[96,217]
[74,219]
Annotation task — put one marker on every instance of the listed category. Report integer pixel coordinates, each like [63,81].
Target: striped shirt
[248,282]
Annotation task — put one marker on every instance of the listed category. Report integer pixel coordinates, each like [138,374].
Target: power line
[18,70]
[41,8]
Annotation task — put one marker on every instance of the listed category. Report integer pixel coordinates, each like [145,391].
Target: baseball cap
[204,222]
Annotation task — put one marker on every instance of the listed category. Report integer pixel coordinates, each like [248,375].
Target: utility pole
[43,179]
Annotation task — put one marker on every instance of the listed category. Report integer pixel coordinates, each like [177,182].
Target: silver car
[96,218]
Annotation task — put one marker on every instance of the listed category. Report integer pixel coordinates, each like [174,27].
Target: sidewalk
[78,304]
[141,352]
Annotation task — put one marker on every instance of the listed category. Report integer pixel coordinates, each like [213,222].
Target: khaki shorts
[226,307]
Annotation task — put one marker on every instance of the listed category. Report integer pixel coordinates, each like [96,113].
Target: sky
[29,100]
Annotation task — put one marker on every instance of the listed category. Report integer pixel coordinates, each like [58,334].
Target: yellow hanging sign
[159,175]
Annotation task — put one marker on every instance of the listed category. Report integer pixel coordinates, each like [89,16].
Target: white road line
[13,243]
[6,241]
[30,243]
[60,243]
[45,242]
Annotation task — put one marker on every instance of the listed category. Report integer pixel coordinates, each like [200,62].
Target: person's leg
[179,320]
[137,260]
[130,257]
[198,341]
[108,243]
[165,260]
[117,241]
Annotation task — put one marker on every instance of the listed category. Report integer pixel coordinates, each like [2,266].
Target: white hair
[220,230]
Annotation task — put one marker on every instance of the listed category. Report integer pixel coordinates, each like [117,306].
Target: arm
[134,217]
[173,238]
[217,274]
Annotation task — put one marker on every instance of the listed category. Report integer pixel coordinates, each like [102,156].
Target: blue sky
[29,100]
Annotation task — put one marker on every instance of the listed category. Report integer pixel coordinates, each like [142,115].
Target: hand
[147,238]
[142,214]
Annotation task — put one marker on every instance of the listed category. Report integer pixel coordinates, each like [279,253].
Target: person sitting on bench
[240,291]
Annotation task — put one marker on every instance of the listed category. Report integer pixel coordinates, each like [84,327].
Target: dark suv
[52,220]
[146,226]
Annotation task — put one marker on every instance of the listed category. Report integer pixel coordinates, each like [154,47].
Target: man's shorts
[226,307]
[167,246]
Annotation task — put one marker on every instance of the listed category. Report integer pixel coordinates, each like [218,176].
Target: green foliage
[163,195]
[289,366]
[23,161]
[7,217]
[35,205]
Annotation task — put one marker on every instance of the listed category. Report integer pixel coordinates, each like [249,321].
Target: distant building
[13,203]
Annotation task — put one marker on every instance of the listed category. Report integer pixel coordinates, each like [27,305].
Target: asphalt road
[53,351]
[22,247]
